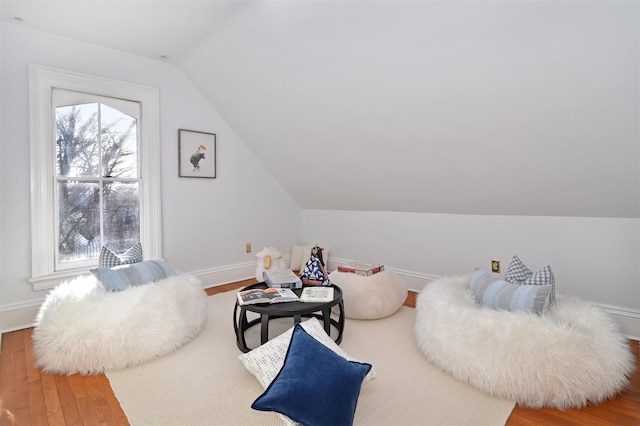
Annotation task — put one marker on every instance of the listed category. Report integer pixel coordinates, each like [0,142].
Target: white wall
[540,97]
[206,222]
[596,259]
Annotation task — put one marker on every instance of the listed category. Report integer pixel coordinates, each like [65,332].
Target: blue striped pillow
[122,277]
[502,295]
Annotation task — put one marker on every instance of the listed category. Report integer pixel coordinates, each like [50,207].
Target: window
[95,171]
[97,179]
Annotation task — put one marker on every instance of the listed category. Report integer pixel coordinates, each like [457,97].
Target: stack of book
[364,269]
[282,279]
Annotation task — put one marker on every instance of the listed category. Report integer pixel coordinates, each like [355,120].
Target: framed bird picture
[196,154]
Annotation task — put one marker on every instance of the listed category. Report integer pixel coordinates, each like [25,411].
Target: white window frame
[42,80]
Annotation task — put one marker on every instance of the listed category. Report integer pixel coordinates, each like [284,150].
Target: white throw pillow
[265,361]
[296,257]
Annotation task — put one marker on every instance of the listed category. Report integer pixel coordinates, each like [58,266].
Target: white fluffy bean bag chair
[81,328]
[567,358]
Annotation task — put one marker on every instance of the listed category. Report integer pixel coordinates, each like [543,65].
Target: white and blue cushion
[109,259]
[502,295]
[122,277]
[518,273]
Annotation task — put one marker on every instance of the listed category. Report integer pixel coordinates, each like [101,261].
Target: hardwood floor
[30,397]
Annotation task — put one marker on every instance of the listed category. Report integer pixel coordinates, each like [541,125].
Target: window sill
[47,282]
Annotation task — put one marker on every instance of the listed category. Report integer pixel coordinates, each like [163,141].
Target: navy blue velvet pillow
[315,386]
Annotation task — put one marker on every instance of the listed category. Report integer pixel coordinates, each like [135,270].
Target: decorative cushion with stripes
[505,296]
[122,277]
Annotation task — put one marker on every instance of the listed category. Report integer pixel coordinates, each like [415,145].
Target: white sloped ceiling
[470,107]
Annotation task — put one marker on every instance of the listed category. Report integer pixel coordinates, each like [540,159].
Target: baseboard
[415,280]
[22,315]
[226,274]
[628,320]
[19,315]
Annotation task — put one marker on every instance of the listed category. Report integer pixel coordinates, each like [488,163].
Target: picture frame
[196,154]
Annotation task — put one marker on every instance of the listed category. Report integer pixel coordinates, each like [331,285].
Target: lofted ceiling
[468,107]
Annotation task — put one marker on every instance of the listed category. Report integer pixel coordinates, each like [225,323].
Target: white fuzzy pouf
[567,358]
[81,328]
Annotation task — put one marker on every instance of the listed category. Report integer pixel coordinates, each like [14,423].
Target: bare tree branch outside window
[97,180]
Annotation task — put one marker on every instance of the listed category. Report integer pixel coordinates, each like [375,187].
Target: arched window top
[95,171]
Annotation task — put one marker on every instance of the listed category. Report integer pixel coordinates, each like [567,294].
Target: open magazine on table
[316,294]
[267,295]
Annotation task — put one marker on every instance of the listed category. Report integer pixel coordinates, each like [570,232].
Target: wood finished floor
[30,397]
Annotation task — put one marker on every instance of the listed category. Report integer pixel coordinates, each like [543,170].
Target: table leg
[235,320]
[240,325]
[340,322]
[326,316]
[264,328]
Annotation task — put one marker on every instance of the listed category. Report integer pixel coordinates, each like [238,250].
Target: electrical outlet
[495,266]
[247,248]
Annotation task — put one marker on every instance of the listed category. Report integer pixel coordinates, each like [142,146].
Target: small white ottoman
[372,297]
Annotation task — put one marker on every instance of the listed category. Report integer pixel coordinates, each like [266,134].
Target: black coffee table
[296,310]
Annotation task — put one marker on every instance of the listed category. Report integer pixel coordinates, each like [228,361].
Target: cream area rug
[204,383]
